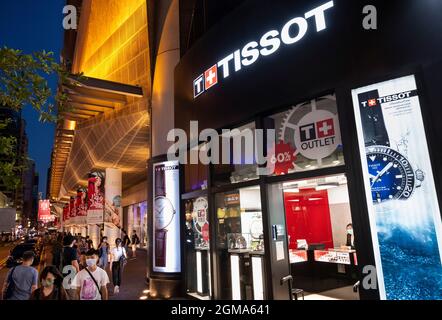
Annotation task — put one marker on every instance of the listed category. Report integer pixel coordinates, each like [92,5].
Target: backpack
[11,286]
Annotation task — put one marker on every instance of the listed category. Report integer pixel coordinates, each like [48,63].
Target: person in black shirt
[70,263]
[51,286]
[135,242]
[126,241]
[57,251]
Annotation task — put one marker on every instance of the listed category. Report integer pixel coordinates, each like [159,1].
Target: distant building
[16,128]
[3,200]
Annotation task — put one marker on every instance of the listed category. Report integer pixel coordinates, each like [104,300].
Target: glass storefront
[320,237]
[197,246]
[309,219]
[240,244]
[242,165]
[135,219]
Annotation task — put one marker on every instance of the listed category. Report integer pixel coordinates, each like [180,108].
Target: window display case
[197,248]
[240,244]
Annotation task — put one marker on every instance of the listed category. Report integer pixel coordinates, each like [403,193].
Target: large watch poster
[402,202]
[166,222]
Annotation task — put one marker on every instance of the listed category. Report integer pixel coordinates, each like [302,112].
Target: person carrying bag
[118,262]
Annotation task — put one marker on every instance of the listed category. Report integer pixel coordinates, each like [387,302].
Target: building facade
[108,125]
[353,114]
[348,119]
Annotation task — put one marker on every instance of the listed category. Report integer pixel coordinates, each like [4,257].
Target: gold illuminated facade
[108,122]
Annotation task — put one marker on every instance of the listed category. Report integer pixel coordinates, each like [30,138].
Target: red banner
[81,205]
[72,208]
[44,210]
[95,195]
[66,212]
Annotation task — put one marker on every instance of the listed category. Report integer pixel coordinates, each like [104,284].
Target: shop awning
[88,99]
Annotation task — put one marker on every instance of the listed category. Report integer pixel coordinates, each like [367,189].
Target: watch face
[391,175]
[200,213]
[164,212]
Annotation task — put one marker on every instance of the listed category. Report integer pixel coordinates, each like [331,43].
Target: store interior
[320,235]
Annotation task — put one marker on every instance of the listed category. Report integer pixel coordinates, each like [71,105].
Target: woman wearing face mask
[350,238]
[103,250]
[118,256]
[51,286]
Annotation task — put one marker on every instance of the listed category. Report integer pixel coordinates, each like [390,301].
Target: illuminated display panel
[400,191]
[166,206]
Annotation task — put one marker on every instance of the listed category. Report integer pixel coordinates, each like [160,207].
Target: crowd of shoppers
[72,269]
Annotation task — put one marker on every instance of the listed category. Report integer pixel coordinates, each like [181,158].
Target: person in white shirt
[118,256]
[91,282]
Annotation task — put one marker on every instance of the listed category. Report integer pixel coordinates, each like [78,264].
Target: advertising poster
[44,211]
[166,206]
[309,137]
[113,212]
[113,209]
[403,208]
[95,195]
[66,214]
[81,203]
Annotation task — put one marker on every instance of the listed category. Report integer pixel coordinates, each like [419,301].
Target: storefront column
[113,217]
[163,285]
[94,234]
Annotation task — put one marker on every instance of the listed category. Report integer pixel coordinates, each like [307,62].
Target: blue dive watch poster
[403,208]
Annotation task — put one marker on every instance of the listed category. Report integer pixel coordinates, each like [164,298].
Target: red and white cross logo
[211,77]
[372,102]
[325,128]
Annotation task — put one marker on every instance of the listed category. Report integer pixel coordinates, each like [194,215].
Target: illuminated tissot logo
[293,31]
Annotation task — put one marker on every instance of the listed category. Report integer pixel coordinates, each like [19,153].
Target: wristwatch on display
[391,174]
[256,228]
[164,214]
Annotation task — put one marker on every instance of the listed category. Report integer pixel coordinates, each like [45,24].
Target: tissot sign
[292,32]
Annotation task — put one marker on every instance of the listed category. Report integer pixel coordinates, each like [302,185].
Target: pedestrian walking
[103,253]
[126,241]
[57,252]
[89,244]
[70,266]
[21,280]
[135,242]
[51,281]
[91,282]
[118,260]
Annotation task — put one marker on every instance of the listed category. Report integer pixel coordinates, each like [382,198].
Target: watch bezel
[410,183]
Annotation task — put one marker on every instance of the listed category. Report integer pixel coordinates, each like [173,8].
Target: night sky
[33,25]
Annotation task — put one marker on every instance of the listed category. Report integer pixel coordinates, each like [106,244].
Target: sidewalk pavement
[134,278]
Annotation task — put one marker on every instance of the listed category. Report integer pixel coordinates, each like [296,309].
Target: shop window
[135,219]
[240,244]
[310,132]
[198,277]
[320,237]
[242,165]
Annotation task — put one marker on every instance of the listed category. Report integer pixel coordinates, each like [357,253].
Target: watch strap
[372,117]
[160,247]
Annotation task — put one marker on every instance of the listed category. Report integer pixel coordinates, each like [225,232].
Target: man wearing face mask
[91,282]
[350,237]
